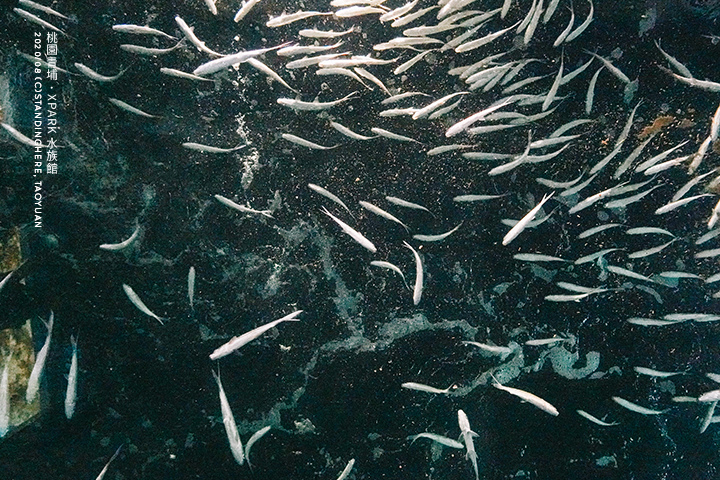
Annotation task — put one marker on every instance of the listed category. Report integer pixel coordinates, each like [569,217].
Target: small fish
[141,30]
[22,138]
[538,342]
[325,193]
[255,63]
[448,442]
[129,108]
[439,237]
[656,373]
[71,391]
[247,337]
[229,203]
[418,289]
[187,30]
[191,285]
[305,143]
[528,397]
[198,147]
[391,135]
[537,257]
[227,61]
[634,407]
[349,133]
[595,420]
[114,247]
[389,266]
[245,9]
[289,18]
[93,75]
[503,352]
[468,435]
[254,438]
[523,223]
[382,213]
[313,106]
[149,51]
[33,384]
[354,234]
[41,8]
[102,473]
[236,446]
[37,20]
[425,388]
[5,397]
[135,300]
[346,471]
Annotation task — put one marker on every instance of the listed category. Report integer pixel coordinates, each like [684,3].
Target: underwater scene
[360,239]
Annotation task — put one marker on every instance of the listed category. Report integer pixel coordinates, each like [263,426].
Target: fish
[289,18]
[313,33]
[426,388]
[523,223]
[254,438]
[33,384]
[214,66]
[468,435]
[229,203]
[114,247]
[71,391]
[5,397]
[656,373]
[600,228]
[503,352]
[292,50]
[93,75]
[346,471]
[418,289]
[393,136]
[595,420]
[236,446]
[354,234]
[255,63]
[22,138]
[349,133]
[634,407]
[382,213]
[180,74]
[135,300]
[679,203]
[528,397]
[191,285]
[247,337]
[325,193]
[41,8]
[389,266]
[245,9]
[537,257]
[198,147]
[102,473]
[211,6]
[439,237]
[187,30]
[129,108]
[583,26]
[141,30]
[37,20]
[540,342]
[306,143]
[313,106]
[150,51]
[448,442]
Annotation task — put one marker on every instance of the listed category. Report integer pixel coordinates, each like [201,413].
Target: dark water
[329,385]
